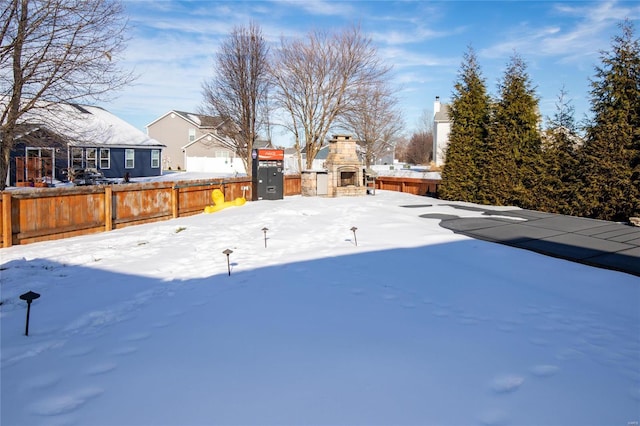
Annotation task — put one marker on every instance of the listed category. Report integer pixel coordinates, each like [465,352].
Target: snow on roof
[195,119]
[84,125]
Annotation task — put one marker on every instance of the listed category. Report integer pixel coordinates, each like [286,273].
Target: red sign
[271,154]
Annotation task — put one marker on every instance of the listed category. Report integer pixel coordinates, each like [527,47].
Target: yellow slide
[218,202]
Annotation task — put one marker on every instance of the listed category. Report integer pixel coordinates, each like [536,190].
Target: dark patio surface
[592,242]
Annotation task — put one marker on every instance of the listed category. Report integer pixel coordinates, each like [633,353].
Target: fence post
[7,224]
[174,202]
[108,208]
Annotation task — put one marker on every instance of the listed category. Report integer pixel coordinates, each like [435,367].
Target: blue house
[62,137]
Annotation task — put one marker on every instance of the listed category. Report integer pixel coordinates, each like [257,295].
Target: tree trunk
[5,158]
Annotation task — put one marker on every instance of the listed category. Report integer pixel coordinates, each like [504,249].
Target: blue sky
[173,44]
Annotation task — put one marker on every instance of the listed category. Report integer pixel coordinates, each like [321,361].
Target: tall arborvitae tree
[610,158]
[469,113]
[558,189]
[511,161]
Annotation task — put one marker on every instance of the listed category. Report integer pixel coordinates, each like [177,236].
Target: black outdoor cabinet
[267,174]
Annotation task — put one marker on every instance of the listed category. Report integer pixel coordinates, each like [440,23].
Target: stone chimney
[345,173]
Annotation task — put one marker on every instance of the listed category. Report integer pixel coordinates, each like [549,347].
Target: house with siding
[186,133]
[441,130]
[54,138]
[198,143]
[211,153]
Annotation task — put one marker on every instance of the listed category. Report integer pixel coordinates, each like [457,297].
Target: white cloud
[321,7]
[587,34]
[401,58]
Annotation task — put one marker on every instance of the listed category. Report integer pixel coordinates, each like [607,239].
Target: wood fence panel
[414,186]
[2,222]
[44,214]
[193,199]
[139,203]
[30,215]
[5,224]
[194,196]
[292,185]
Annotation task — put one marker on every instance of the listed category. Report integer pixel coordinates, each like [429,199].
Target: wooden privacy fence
[414,186]
[32,215]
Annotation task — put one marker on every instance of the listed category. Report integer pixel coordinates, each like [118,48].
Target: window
[92,158]
[221,154]
[105,158]
[129,155]
[76,157]
[192,135]
[155,158]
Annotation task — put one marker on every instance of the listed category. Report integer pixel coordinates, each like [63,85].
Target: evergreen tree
[469,114]
[512,154]
[611,154]
[558,189]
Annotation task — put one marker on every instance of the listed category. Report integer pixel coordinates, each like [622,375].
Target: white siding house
[441,130]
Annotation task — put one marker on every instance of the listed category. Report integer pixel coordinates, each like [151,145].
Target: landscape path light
[29,297]
[355,239]
[265,229]
[228,252]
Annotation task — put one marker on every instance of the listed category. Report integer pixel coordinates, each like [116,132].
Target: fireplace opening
[347,178]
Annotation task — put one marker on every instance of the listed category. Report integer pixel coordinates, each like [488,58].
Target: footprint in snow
[102,368]
[441,313]
[135,337]
[43,381]
[493,418]
[174,314]
[160,324]
[125,350]
[569,354]
[634,393]
[65,403]
[544,370]
[468,320]
[538,341]
[506,384]
[79,351]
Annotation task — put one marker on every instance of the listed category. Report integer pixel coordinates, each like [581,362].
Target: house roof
[262,144]
[209,136]
[199,120]
[85,125]
[443,114]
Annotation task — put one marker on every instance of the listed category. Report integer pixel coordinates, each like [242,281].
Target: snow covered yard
[413,325]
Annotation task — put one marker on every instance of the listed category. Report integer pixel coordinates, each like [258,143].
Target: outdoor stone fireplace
[345,175]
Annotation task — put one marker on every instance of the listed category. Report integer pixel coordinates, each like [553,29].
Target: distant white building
[441,130]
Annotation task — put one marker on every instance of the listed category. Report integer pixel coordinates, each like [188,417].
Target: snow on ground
[402,170]
[413,325]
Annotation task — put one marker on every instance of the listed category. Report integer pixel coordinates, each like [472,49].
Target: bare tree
[419,150]
[374,118]
[56,51]
[317,79]
[238,91]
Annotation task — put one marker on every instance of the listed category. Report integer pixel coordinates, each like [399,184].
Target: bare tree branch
[56,51]
[374,118]
[317,80]
[239,89]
